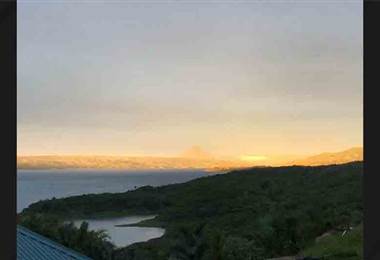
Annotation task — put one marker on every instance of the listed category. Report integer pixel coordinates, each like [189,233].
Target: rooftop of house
[32,246]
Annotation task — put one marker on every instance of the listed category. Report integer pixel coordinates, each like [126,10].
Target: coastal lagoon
[123,236]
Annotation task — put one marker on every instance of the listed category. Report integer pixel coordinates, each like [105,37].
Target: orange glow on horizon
[253,158]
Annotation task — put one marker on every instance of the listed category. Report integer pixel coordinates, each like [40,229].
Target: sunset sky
[155,78]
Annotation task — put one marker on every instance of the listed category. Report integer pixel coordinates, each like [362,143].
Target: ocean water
[35,185]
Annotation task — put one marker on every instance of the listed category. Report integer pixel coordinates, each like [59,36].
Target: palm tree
[190,245]
[217,244]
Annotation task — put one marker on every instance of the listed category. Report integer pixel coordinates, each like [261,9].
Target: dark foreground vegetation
[247,214]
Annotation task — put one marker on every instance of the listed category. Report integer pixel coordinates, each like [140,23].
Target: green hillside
[339,246]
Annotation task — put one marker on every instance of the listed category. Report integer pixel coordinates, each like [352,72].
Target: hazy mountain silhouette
[196,152]
[194,157]
[353,154]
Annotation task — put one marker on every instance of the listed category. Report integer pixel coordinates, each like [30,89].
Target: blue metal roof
[32,246]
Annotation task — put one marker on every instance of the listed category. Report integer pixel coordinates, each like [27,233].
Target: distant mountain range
[120,162]
[196,152]
[195,157]
[353,154]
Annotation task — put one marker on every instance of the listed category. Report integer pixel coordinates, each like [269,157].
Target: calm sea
[35,185]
